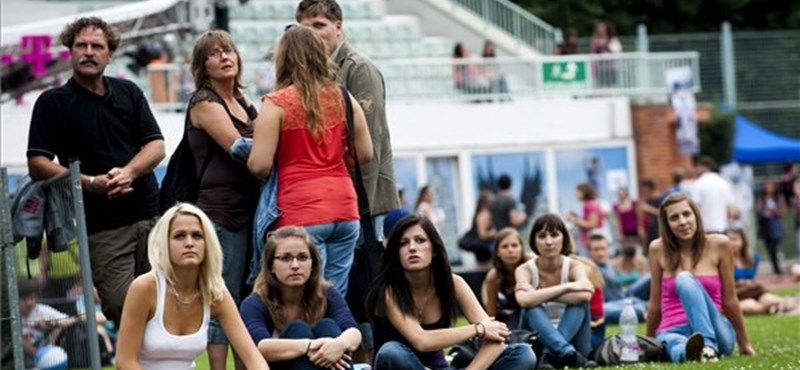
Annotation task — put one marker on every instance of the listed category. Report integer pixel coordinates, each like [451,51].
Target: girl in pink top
[695,271]
[592,214]
[302,129]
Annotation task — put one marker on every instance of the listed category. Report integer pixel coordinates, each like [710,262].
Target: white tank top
[554,309]
[162,350]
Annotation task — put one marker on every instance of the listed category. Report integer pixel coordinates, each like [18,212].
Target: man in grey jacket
[365,82]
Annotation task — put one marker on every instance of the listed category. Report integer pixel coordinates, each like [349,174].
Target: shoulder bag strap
[358,181]
[187,123]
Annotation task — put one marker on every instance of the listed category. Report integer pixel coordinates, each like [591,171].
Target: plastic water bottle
[628,321]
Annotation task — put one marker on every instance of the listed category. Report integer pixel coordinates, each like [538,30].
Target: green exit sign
[564,73]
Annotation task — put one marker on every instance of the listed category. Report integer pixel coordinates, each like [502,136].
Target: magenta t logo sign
[36,52]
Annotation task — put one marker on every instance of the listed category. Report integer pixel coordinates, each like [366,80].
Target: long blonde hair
[212,286]
[270,289]
[300,60]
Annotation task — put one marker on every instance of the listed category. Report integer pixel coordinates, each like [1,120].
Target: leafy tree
[667,16]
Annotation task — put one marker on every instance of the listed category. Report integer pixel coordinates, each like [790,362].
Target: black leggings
[772,245]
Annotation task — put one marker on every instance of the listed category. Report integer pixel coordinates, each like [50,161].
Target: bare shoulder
[491,275]
[656,246]
[458,281]
[143,284]
[718,243]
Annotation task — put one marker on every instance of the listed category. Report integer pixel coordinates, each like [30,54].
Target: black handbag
[369,251]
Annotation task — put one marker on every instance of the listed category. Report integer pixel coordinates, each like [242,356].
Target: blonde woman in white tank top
[166,312]
[554,293]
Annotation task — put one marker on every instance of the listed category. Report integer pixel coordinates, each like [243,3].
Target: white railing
[515,20]
[624,74]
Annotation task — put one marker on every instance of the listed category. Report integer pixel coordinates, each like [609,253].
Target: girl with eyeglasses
[298,320]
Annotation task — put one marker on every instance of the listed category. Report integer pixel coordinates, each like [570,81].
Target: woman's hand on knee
[327,352]
[494,330]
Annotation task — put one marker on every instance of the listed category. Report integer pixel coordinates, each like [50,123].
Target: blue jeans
[396,356]
[640,288]
[336,242]
[703,318]
[573,332]
[612,310]
[598,335]
[298,329]
[235,244]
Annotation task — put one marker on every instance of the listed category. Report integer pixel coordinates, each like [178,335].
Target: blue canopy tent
[753,143]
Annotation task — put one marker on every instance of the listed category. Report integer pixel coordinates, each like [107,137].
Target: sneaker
[694,347]
[709,355]
[574,360]
[547,361]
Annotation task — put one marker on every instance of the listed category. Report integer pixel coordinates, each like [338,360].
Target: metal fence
[628,74]
[47,294]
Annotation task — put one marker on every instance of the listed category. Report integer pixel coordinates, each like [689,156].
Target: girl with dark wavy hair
[692,269]
[415,300]
[315,329]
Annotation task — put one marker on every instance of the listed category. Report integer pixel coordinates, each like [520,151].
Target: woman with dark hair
[220,120]
[302,129]
[498,287]
[771,207]
[415,300]
[297,320]
[466,76]
[754,298]
[592,217]
[692,269]
[479,238]
[554,292]
[424,206]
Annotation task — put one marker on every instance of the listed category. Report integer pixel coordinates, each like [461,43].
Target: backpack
[181,182]
[607,353]
[27,215]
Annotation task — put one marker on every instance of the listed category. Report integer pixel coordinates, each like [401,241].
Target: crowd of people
[276,193]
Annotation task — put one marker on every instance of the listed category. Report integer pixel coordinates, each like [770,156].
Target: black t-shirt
[103,132]
[500,207]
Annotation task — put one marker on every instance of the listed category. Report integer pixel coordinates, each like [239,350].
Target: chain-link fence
[49,283]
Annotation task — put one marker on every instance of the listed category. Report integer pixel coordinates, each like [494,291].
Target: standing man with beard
[365,83]
[107,124]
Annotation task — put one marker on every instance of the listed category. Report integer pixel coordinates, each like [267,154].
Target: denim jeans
[703,317]
[396,356]
[298,329]
[234,245]
[336,242]
[612,310]
[639,289]
[573,332]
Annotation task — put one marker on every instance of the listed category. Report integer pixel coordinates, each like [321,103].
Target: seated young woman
[167,310]
[754,298]
[415,300]
[297,320]
[554,292]
[692,269]
[498,286]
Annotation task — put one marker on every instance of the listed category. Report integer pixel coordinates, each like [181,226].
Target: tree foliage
[667,16]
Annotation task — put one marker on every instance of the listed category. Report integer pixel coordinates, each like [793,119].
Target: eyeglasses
[217,53]
[288,258]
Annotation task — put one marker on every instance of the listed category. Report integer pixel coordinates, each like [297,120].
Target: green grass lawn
[776,340]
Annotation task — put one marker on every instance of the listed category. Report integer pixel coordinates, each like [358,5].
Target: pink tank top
[672,312]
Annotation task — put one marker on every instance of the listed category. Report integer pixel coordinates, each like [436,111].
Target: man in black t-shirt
[504,207]
[107,124]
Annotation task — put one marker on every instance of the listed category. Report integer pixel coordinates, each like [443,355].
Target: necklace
[182,303]
[421,309]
